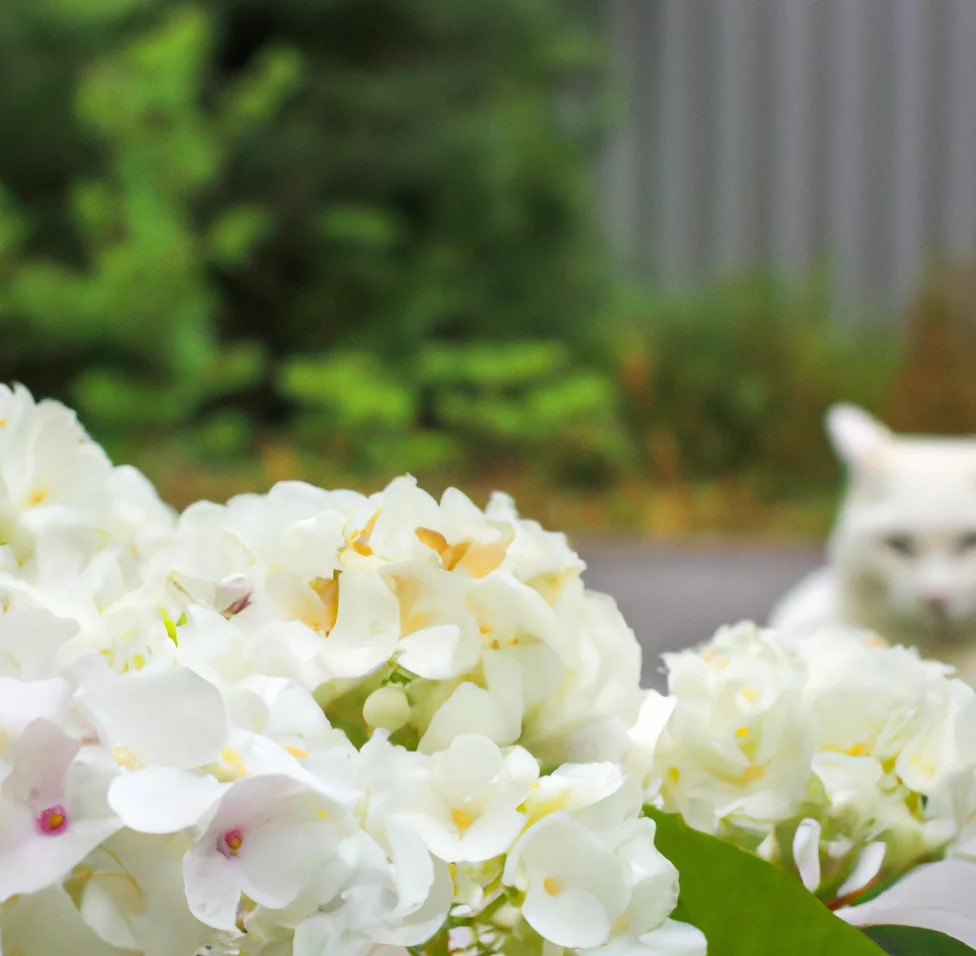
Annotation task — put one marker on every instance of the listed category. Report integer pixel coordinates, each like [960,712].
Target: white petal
[806,853]
[171,717]
[431,652]
[562,860]
[47,924]
[21,702]
[163,799]
[278,860]
[367,626]
[413,867]
[574,918]
[935,896]
[155,897]
[510,605]
[29,642]
[325,935]
[672,938]
[99,909]
[491,835]
[467,767]
[469,710]
[868,867]
[212,887]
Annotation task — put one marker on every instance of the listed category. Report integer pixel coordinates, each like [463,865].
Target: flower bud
[387,708]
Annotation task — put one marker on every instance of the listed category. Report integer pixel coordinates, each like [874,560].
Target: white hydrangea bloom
[836,754]
[306,722]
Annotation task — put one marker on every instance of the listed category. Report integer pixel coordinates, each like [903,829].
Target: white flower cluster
[836,755]
[307,722]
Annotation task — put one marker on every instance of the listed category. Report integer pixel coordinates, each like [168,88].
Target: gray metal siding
[785,136]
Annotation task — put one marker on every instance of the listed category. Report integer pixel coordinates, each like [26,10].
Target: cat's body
[902,556]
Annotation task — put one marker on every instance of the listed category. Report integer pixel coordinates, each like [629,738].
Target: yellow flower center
[233,760]
[552,886]
[37,497]
[126,758]
[462,820]
[233,840]
[752,773]
[360,541]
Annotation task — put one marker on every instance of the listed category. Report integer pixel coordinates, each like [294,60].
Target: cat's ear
[859,439]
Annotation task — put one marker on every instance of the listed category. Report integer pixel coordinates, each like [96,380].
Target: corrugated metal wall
[791,136]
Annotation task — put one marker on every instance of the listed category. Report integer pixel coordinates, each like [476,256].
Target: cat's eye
[901,544]
[967,542]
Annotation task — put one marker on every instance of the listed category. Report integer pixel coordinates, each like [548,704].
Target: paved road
[674,596]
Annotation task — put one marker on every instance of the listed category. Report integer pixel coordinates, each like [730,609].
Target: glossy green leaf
[745,906]
[915,941]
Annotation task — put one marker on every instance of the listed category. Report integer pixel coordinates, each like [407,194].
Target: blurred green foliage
[137,314]
[365,229]
[223,216]
[735,379]
[481,403]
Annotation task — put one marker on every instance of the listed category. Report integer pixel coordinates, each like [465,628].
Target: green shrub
[735,380]
[133,323]
[206,198]
[480,406]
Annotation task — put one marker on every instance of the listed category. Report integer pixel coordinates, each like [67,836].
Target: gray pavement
[676,595]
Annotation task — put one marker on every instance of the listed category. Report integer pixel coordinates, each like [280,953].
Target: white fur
[902,556]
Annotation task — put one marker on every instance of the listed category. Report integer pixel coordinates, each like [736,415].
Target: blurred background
[613,256]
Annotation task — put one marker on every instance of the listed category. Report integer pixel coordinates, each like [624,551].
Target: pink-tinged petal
[52,811]
[40,758]
[163,799]
[235,854]
[213,889]
[31,859]
[277,861]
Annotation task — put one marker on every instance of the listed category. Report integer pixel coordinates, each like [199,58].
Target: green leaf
[359,226]
[235,233]
[356,388]
[492,364]
[747,907]
[265,88]
[915,941]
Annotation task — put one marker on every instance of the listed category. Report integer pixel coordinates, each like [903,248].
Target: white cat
[902,556]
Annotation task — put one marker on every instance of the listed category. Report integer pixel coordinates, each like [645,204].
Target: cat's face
[905,542]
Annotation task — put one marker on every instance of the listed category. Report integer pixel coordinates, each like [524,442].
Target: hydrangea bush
[325,724]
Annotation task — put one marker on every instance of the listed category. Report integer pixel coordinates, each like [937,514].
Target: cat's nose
[936,601]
